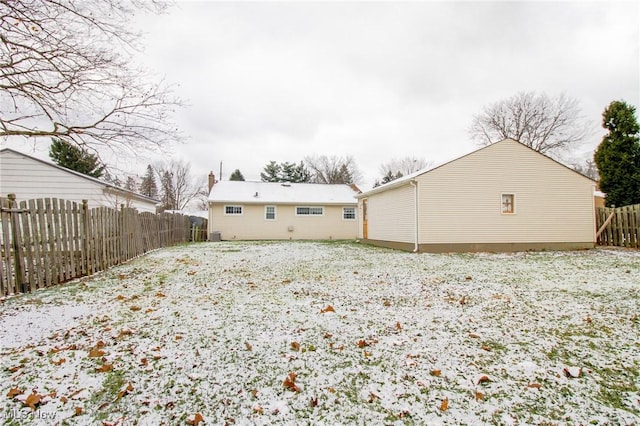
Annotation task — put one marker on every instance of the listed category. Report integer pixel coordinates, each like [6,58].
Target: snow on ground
[329,333]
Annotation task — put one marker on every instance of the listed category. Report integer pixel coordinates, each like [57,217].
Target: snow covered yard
[329,333]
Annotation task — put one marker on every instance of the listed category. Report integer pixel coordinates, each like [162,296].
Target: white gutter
[413,183]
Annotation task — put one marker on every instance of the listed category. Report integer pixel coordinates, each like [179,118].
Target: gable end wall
[461,201]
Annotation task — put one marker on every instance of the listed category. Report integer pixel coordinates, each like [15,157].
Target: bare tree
[333,169]
[65,73]
[177,187]
[404,166]
[587,167]
[548,125]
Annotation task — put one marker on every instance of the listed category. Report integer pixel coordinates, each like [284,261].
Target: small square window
[233,210]
[508,203]
[270,212]
[348,213]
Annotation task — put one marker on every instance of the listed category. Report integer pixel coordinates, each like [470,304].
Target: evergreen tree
[344,175]
[390,176]
[285,172]
[618,155]
[301,174]
[130,184]
[70,156]
[236,175]
[148,184]
[292,172]
[271,172]
[168,192]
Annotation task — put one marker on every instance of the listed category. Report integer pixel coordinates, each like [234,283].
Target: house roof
[408,178]
[107,185]
[248,192]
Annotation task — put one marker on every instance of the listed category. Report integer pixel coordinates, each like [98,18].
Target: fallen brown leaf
[33,400]
[125,391]
[329,308]
[444,405]
[483,379]
[13,392]
[104,368]
[96,353]
[289,382]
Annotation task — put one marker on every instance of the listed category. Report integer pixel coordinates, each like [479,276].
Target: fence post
[85,237]
[15,243]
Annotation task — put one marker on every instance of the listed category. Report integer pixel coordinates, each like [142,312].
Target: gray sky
[281,81]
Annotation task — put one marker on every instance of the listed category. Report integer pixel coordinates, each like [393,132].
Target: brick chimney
[212,180]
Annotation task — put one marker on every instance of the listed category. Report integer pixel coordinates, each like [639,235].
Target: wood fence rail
[48,241]
[623,229]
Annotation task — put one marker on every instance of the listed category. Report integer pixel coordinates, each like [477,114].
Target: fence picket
[624,228]
[37,245]
[8,280]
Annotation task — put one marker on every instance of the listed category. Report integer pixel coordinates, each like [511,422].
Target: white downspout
[415,203]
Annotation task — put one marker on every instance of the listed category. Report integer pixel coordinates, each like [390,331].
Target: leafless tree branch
[548,125]
[64,72]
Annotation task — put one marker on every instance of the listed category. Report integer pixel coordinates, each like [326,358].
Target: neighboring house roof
[408,178]
[108,186]
[247,192]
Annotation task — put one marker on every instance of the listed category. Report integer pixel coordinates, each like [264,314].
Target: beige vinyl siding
[460,202]
[391,215]
[252,224]
[31,179]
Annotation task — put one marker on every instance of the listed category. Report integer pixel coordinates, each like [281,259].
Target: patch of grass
[112,384]
[493,346]
[615,384]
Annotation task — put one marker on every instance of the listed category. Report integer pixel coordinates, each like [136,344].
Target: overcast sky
[284,80]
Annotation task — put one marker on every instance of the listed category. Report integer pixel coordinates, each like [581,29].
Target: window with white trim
[309,211]
[270,212]
[233,210]
[349,213]
[508,203]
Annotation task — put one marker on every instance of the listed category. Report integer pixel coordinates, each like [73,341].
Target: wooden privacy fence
[48,241]
[619,226]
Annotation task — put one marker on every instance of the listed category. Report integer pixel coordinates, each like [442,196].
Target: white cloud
[283,80]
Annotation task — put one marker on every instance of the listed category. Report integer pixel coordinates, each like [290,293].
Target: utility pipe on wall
[415,203]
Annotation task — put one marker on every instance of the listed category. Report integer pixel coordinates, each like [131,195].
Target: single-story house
[31,178]
[503,197]
[243,210]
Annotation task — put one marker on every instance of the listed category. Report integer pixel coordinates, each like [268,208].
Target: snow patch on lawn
[330,333]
